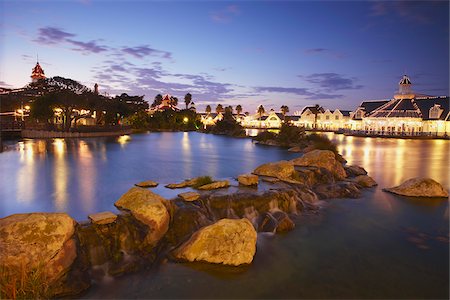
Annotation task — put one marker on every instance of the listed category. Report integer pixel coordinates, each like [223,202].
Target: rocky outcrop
[277,221]
[103,218]
[248,179]
[419,187]
[215,185]
[228,242]
[147,184]
[186,183]
[189,196]
[338,190]
[322,159]
[148,208]
[38,242]
[281,169]
[353,171]
[365,181]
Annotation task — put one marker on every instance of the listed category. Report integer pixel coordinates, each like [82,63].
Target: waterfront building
[37,73]
[407,113]
[210,119]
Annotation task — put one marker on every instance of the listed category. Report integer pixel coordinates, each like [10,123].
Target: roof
[263,118]
[345,113]
[293,118]
[313,109]
[405,80]
[397,108]
[425,104]
[280,115]
[370,106]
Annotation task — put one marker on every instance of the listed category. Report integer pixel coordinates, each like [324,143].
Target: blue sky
[293,53]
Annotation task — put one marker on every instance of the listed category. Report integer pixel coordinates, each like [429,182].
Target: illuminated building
[37,73]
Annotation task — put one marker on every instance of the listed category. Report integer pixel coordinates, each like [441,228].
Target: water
[378,246]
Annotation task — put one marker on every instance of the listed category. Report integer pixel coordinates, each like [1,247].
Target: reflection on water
[60,175]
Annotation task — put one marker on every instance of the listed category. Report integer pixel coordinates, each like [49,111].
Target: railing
[395,133]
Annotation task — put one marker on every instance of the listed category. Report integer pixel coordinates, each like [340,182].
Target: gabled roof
[370,106]
[345,113]
[263,118]
[280,115]
[313,109]
[397,108]
[293,118]
[425,104]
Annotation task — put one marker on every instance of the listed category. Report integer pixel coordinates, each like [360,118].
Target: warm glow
[186,119]
[60,174]
[123,139]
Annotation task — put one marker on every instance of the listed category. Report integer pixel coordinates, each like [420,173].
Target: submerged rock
[147,184]
[353,171]
[228,242]
[322,159]
[248,179]
[215,185]
[186,183]
[189,196]
[419,187]
[338,190]
[103,218]
[281,169]
[38,243]
[148,208]
[365,181]
[277,221]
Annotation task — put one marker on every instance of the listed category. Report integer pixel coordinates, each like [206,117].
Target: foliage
[290,134]
[203,180]
[264,136]
[228,125]
[321,142]
[208,109]
[187,99]
[157,101]
[284,110]
[185,120]
[219,108]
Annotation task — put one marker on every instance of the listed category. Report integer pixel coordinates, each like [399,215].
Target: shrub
[322,142]
[265,136]
[290,134]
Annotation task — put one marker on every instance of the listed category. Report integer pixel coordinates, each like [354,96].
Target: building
[407,113]
[210,119]
[37,73]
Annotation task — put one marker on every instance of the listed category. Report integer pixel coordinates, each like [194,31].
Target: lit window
[435,111]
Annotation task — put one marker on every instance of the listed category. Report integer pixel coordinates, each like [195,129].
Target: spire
[404,88]
[37,72]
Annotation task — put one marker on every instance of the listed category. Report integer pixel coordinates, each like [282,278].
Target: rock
[338,190]
[277,221]
[103,218]
[215,185]
[189,196]
[419,187]
[228,242]
[353,171]
[38,242]
[365,181]
[295,149]
[313,175]
[148,208]
[248,179]
[147,184]
[281,169]
[186,183]
[270,179]
[323,159]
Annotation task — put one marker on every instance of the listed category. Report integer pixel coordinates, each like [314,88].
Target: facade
[210,119]
[406,113]
[37,73]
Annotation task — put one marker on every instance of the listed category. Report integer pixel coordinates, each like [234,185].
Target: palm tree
[317,110]
[187,99]
[219,108]
[260,111]
[173,101]
[284,110]
[158,100]
[208,109]
[230,108]
[238,109]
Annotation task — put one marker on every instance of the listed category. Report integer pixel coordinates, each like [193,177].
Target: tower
[404,86]
[96,89]
[37,73]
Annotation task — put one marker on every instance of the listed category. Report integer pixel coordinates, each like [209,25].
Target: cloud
[324,51]
[88,47]
[332,81]
[274,89]
[225,15]
[145,50]
[52,35]
[412,11]
[4,84]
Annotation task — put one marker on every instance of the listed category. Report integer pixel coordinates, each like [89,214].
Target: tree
[42,109]
[230,108]
[284,110]
[260,111]
[208,109]
[238,109]
[192,107]
[158,100]
[219,108]
[187,99]
[123,106]
[317,109]
[173,101]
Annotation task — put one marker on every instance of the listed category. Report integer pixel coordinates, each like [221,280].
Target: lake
[378,246]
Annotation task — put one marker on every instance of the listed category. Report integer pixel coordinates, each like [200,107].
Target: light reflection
[26,176]
[187,154]
[87,177]
[123,140]
[60,174]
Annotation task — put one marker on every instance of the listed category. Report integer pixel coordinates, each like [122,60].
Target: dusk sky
[293,53]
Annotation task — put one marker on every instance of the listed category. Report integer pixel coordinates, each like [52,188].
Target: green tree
[238,109]
[157,101]
[208,109]
[42,109]
[173,101]
[260,111]
[219,108]
[284,110]
[317,109]
[187,99]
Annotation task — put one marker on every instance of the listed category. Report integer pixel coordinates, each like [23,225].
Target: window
[273,119]
[435,111]
[327,117]
[318,117]
[336,117]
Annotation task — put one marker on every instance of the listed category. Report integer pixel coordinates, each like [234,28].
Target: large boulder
[248,179]
[42,243]
[322,159]
[281,169]
[228,241]
[148,208]
[337,190]
[419,187]
[103,218]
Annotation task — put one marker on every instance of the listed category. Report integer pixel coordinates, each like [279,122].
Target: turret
[37,73]
[404,89]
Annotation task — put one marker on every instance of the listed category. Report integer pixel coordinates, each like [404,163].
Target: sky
[294,53]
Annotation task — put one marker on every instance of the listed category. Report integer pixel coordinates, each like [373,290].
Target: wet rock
[147,184]
[313,175]
[295,149]
[419,187]
[103,218]
[322,159]
[148,208]
[365,181]
[186,183]
[338,190]
[270,179]
[228,241]
[281,169]
[248,179]
[353,171]
[189,196]
[277,221]
[215,185]
[38,242]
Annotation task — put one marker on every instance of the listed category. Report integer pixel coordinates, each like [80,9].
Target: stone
[248,179]
[322,159]
[270,179]
[365,181]
[281,169]
[419,187]
[41,242]
[337,190]
[295,149]
[149,209]
[103,218]
[186,183]
[189,196]
[353,171]
[228,242]
[215,185]
[277,221]
[147,184]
